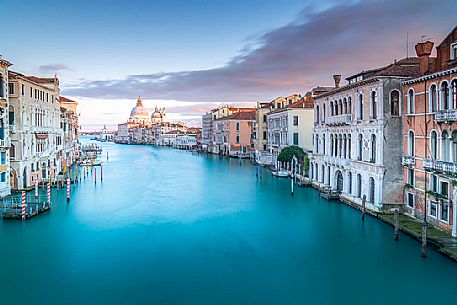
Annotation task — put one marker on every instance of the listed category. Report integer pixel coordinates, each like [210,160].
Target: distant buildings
[154,130]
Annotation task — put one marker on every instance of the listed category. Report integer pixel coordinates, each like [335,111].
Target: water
[169,227]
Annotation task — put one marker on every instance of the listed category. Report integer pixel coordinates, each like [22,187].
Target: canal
[169,227]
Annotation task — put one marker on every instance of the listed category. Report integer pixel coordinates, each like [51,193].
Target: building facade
[5,120]
[36,133]
[430,136]
[357,151]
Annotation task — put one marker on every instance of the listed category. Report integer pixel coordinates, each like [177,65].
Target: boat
[280,174]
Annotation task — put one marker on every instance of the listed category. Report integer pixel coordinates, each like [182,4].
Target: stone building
[234,134]
[357,148]
[6,89]
[36,133]
[291,125]
[430,136]
[69,125]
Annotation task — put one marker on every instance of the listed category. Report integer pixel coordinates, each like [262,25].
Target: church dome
[139,114]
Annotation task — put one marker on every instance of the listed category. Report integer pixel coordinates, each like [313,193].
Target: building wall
[5,171]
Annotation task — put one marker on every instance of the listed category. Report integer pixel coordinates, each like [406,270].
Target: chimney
[423,51]
[337,79]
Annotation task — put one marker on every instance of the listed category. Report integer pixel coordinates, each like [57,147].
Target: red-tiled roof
[306,102]
[38,80]
[66,100]
[240,116]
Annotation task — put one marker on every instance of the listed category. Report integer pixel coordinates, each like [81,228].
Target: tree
[288,153]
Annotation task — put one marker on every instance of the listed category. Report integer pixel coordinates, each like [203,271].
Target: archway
[24,178]
[13,179]
[339,181]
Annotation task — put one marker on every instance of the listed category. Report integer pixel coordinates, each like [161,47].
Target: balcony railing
[409,160]
[440,166]
[446,115]
[338,119]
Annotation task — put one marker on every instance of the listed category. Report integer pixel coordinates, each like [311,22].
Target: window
[444,146]
[12,151]
[2,88]
[237,126]
[374,105]
[410,200]
[2,177]
[410,143]
[295,138]
[264,118]
[372,190]
[454,51]
[360,107]
[3,157]
[359,186]
[410,101]
[237,139]
[264,136]
[444,96]
[331,108]
[22,89]
[316,118]
[410,176]
[454,93]
[395,102]
[350,183]
[11,88]
[444,212]
[434,145]
[295,120]
[373,149]
[433,98]
[349,105]
[360,147]
[349,147]
[433,209]
[444,189]
[434,183]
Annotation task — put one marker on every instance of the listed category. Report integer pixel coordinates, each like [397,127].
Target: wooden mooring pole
[396,212]
[424,240]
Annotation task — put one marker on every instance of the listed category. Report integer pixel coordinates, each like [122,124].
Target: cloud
[54,68]
[342,38]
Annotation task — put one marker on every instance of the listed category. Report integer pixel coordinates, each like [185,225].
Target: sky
[193,55]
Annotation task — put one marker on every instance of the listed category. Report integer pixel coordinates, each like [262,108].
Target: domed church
[158,116]
[139,114]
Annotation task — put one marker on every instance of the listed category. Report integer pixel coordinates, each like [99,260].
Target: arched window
[433,98]
[349,147]
[373,149]
[410,101]
[349,104]
[323,144]
[340,148]
[395,102]
[344,146]
[454,93]
[350,183]
[331,109]
[331,145]
[434,145]
[317,144]
[341,106]
[454,146]
[323,173]
[410,143]
[323,112]
[328,175]
[360,147]
[444,146]
[11,115]
[360,114]
[374,105]
[336,108]
[12,151]
[444,96]
[372,190]
[316,119]
[359,186]
[345,103]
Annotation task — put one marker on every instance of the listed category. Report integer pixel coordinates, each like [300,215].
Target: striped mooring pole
[36,188]
[23,205]
[49,193]
[68,189]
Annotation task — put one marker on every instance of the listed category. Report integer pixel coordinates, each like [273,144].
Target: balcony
[343,119]
[440,166]
[446,116]
[408,160]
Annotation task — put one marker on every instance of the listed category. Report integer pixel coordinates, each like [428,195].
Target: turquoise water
[169,227]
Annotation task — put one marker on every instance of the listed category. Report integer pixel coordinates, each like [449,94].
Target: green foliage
[287,154]
[305,163]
